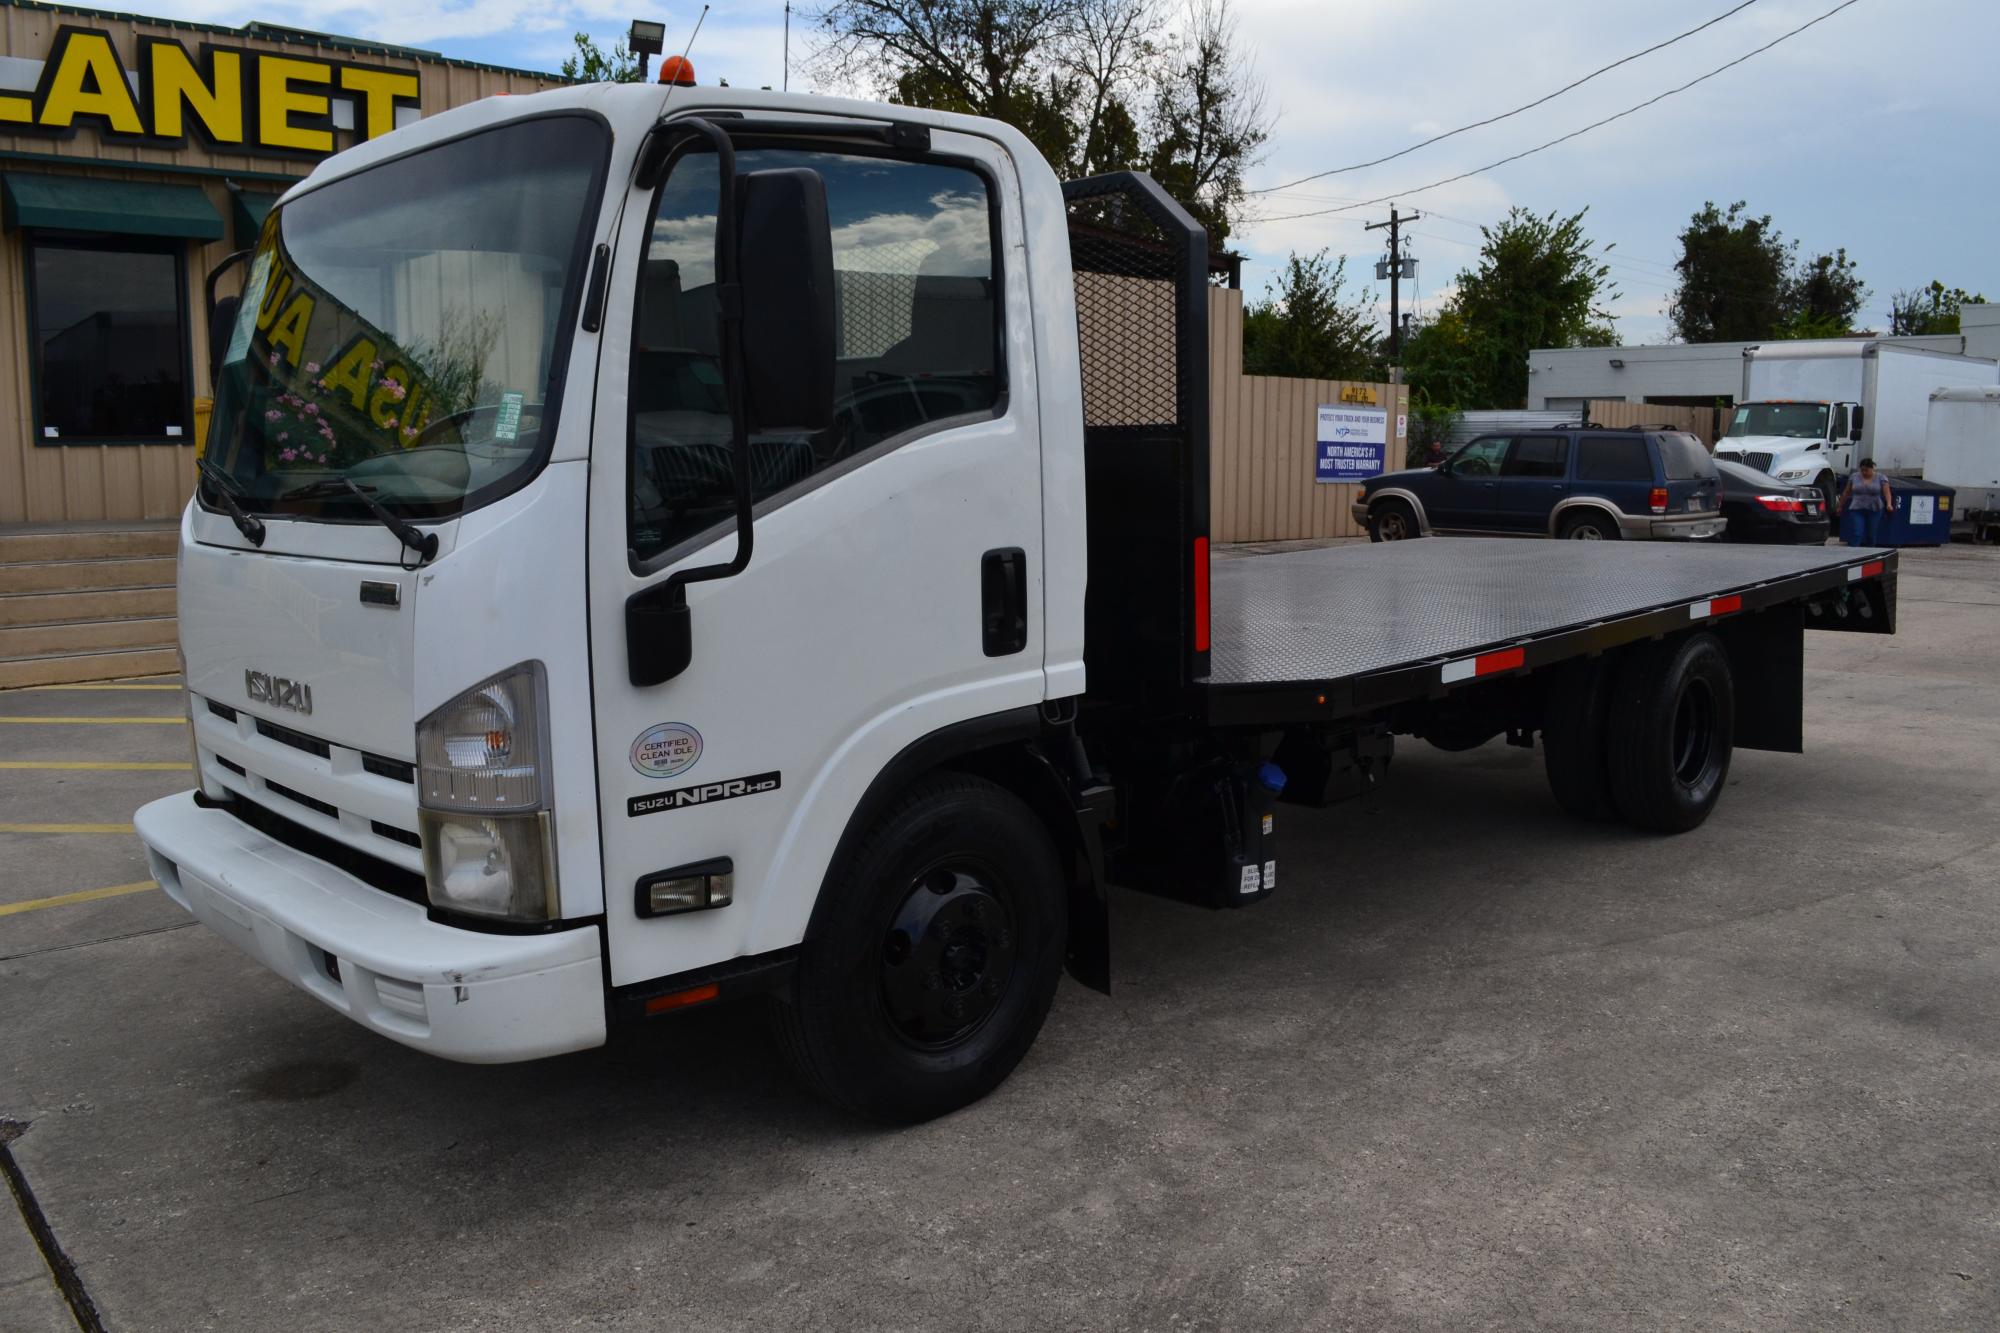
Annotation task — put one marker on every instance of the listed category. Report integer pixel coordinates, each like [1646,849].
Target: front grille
[298,740]
[372,871]
[394,834]
[232,766]
[389,768]
[223,711]
[328,809]
[1762,462]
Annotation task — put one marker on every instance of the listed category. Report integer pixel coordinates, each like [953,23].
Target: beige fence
[1697,421]
[1262,436]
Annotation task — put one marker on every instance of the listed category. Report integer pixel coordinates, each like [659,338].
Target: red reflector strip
[1871,569]
[1715,606]
[681,999]
[1201,594]
[1486,664]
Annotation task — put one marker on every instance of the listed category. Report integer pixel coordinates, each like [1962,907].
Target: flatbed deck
[1314,634]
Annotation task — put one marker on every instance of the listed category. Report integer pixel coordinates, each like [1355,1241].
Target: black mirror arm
[659,615]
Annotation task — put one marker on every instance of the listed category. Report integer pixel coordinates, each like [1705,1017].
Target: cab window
[1481,457]
[918,342]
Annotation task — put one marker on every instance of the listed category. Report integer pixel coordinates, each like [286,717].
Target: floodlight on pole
[647,39]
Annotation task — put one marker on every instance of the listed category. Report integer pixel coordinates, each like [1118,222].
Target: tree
[1304,327]
[1095,85]
[1932,309]
[1450,363]
[1539,282]
[1735,277]
[1822,297]
[592,64]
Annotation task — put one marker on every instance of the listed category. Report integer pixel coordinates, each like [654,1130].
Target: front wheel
[1829,491]
[1392,521]
[1671,729]
[934,955]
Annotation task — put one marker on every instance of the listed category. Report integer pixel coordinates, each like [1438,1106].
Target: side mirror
[1854,425]
[786,264]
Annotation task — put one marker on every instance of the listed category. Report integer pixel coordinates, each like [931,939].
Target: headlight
[484,794]
[1794,473]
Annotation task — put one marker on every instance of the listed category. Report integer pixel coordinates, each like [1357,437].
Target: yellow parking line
[65,828]
[68,899]
[136,766]
[95,721]
[29,689]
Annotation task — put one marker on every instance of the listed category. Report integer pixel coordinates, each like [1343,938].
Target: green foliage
[1430,423]
[1932,309]
[592,64]
[1733,277]
[1095,85]
[1304,327]
[1823,297]
[1539,283]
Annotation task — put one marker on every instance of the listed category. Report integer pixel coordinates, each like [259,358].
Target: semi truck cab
[1804,443]
[659,546]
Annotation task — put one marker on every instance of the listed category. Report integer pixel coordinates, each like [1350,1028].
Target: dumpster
[1922,514]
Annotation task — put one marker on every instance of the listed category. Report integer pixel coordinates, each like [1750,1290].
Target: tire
[1829,490]
[934,954]
[1393,521]
[1672,719]
[1588,525]
[1573,739]
[1460,738]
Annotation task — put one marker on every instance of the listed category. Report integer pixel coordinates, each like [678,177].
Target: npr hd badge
[666,751]
[706,793]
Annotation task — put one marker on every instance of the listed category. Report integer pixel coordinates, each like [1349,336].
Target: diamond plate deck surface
[1346,611]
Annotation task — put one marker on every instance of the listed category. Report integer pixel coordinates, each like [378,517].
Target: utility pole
[1395,268]
[787,85]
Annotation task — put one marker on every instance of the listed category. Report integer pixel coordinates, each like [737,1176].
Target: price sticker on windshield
[507,423]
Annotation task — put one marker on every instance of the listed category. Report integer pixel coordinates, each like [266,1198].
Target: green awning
[248,211]
[127,208]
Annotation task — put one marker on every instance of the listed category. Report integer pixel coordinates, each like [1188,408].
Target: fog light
[690,888]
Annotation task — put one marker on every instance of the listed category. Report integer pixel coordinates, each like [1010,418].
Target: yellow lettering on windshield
[289,330]
[274,300]
[381,91]
[277,101]
[177,87]
[351,372]
[391,392]
[88,81]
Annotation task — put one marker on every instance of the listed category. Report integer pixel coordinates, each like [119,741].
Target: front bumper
[460,994]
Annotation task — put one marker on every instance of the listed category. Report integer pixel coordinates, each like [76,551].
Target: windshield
[406,328]
[1798,421]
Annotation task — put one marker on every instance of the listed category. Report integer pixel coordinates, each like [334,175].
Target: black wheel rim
[1694,735]
[948,956]
[1394,529]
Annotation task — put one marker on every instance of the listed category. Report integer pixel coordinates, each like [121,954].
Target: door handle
[1003,601]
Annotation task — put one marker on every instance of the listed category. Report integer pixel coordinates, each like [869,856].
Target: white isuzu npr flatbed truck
[660,546]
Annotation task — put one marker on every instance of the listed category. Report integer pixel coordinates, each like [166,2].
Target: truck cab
[1804,443]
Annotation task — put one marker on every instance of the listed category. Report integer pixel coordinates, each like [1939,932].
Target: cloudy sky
[1874,130]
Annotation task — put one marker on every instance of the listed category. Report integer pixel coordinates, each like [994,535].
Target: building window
[110,341]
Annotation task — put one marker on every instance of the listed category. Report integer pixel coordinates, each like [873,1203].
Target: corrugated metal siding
[1470,424]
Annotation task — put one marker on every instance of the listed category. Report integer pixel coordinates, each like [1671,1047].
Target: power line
[1529,106]
[1597,124]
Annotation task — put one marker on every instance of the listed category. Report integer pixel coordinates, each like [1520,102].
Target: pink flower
[288,454]
[284,435]
[274,358]
[390,422]
[273,414]
[312,409]
[312,367]
[374,365]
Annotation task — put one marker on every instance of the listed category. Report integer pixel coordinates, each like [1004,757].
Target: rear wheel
[1588,525]
[1393,521]
[1672,720]
[1573,727]
[934,956]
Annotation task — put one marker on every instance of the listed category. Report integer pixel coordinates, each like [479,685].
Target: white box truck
[1962,451]
[662,548]
[1810,411]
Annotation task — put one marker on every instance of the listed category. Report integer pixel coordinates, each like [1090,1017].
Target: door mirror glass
[1854,425]
[221,323]
[789,324]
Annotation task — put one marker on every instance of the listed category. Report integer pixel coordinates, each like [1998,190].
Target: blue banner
[1353,443]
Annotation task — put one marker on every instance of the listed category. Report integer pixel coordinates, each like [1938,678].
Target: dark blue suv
[1581,483]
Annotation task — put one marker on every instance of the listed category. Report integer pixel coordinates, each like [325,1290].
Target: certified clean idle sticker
[667,750]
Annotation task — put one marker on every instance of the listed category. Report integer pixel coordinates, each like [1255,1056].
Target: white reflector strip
[1463,669]
[1698,611]
[1854,573]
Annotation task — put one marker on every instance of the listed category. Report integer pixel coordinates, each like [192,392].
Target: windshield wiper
[225,490]
[425,544]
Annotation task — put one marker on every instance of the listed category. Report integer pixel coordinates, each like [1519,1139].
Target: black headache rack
[1141,270]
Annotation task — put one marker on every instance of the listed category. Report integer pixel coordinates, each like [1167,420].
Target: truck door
[1842,421]
[895,586]
[1464,493]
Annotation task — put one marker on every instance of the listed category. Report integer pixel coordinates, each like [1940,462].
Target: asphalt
[1474,1066]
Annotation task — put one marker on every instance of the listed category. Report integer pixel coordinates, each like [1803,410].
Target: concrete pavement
[1474,1066]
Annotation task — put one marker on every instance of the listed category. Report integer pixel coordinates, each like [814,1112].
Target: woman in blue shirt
[1863,502]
